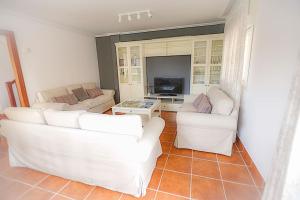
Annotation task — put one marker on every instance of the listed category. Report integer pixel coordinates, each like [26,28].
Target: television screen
[168,86]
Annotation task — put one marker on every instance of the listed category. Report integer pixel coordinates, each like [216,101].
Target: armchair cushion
[206,120]
[130,125]
[221,103]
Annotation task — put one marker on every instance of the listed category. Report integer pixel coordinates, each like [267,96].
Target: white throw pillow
[68,119]
[221,103]
[24,114]
[117,124]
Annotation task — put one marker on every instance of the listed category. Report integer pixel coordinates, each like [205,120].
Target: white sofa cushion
[204,120]
[68,119]
[78,106]
[23,114]
[72,87]
[54,106]
[117,124]
[90,103]
[90,85]
[47,95]
[221,103]
[188,107]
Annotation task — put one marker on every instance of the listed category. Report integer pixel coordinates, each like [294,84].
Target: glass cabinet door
[123,74]
[200,52]
[215,73]
[135,65]
[215,61]
[122,56]
[135,57]
[136,74]
[199,74]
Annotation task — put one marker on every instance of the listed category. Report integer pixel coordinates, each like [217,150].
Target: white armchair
[215,132]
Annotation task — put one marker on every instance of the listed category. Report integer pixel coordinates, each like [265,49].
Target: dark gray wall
[106,51]
[169,67]
[107,62]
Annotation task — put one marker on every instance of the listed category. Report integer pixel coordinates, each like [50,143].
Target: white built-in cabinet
[130,71]
[168,48]
[206,62]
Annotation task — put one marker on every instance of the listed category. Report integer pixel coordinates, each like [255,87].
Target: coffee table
[139,107]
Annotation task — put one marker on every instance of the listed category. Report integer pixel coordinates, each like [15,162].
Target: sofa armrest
[152,131]
[206,120]
[108,92]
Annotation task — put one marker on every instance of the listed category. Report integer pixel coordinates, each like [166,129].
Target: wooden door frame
[16,65]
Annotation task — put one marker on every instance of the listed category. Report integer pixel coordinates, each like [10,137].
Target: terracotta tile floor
[179,174]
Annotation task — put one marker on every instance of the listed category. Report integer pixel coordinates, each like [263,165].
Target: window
[247,54]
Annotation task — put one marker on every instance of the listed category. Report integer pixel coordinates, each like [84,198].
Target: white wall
[6,73]
[51,55]
[274,58]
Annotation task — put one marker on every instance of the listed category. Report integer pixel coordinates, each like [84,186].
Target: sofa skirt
[126,177]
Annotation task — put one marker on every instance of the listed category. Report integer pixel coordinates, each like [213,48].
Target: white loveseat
[99,104]
[215,132]
[114,152]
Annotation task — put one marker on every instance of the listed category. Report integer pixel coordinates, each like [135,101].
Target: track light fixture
[137,14]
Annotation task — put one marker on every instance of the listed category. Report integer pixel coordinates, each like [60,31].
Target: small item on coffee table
[69,99]
[80,94]
[94,92]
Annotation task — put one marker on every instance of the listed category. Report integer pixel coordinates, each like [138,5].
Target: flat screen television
[168,86]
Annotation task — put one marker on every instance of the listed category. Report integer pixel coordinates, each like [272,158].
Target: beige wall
[51,55]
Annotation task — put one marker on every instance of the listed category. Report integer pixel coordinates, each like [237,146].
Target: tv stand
[168,102]
[168,95]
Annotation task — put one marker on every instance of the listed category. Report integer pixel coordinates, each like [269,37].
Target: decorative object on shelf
[135,14]
[150,89]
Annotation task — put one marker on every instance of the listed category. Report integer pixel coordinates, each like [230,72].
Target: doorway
[12,86]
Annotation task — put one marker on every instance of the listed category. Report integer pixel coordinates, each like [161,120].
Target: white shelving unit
[206,63]
[131,71]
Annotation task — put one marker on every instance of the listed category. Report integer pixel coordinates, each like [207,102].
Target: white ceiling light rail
[134,15]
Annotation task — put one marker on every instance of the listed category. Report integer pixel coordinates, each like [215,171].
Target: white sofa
[114,152]
[99,104]
[215,132]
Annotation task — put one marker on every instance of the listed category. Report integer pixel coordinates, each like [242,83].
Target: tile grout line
[161,177]
[33,187]
[120,196]
[38,187]
[176,195]
[221,177]
[89,193]
[61,189]
[191,180]
[27,184]
[250,175]
[206,159]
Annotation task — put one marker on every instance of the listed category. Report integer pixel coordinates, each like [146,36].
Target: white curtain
[233,56]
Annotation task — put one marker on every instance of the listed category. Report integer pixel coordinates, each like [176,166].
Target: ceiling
[101,16]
